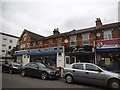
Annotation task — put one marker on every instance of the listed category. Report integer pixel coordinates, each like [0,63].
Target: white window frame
[50,43]
[40,44]
[59,42]
[23,45]
[73,40]
[106,35]
[83,39]
[34,44]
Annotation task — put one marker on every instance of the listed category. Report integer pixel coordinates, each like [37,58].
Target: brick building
[62,49]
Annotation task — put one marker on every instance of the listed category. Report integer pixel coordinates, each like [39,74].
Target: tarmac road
[17,81]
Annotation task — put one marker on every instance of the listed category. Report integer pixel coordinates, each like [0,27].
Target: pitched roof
[8,35]
[74,32]
[33,36]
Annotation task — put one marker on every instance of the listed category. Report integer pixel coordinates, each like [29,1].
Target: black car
[11,67]
[37,69]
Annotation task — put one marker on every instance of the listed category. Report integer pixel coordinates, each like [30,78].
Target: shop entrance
[69,60]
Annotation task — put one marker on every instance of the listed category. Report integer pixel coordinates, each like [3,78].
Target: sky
[43,16]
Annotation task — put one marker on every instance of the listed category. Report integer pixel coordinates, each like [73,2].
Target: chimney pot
[98,22]
[56,31]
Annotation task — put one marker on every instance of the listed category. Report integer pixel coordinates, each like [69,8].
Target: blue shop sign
[39,51]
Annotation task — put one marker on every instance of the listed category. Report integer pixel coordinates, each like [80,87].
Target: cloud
[44,15]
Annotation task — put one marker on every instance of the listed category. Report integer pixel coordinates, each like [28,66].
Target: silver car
[91,73]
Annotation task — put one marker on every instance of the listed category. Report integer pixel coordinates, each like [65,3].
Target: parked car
[11,67]
[37,69]
[91,73]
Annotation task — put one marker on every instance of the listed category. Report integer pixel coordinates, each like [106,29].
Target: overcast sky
[42,16]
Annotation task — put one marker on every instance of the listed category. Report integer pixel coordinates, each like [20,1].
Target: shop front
[108,54]
[78,54]
[50,56]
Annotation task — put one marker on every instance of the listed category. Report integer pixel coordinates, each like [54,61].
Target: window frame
[97,68]
[84,40]
[73,40]
[78,68]
[50,43]
[106,35]
[59,42]
[22,46]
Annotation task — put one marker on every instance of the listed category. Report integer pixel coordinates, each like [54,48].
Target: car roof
[82,63]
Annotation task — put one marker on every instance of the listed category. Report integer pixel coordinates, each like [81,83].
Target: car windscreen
[15,63]
[42,65]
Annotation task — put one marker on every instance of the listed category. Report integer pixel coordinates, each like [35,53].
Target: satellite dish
[66,41]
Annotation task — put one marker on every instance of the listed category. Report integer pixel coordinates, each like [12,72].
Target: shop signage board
[103,44]
[38,51]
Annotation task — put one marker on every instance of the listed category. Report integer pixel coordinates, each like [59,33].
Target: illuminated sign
[113,43]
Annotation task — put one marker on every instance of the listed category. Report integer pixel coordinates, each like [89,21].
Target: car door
[34,71]
[78,72]
[6,66]
[94,74]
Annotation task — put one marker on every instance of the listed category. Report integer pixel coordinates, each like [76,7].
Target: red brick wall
[28,40]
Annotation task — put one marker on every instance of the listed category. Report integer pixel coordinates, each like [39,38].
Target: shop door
[73,60]
[67,61]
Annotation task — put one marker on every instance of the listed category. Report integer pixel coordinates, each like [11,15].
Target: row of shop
[63,56]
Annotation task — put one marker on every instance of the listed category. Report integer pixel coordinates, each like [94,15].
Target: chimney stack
[98,22]
[56,31]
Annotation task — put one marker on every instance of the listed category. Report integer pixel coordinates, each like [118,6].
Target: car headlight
[51,72]
[15,67]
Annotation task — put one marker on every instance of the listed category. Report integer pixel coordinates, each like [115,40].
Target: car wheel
[114,84]
[23,73]
[11,71]
[69,79]
[44,76]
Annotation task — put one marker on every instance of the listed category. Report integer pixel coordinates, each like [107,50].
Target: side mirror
[99,70]
[37,67]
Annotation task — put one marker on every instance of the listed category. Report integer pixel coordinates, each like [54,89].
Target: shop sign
[37,51]
[113,43]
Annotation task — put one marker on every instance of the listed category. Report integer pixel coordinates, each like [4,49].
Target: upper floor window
[107,35]
[59,42]
[9,47]
[24,39]
[4,38]
[10,41]
[33,44]
[28,45]
[85,39]
[40,44]
[73,41]
[2,50]
[23,46]
[50,43]
[3,45]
